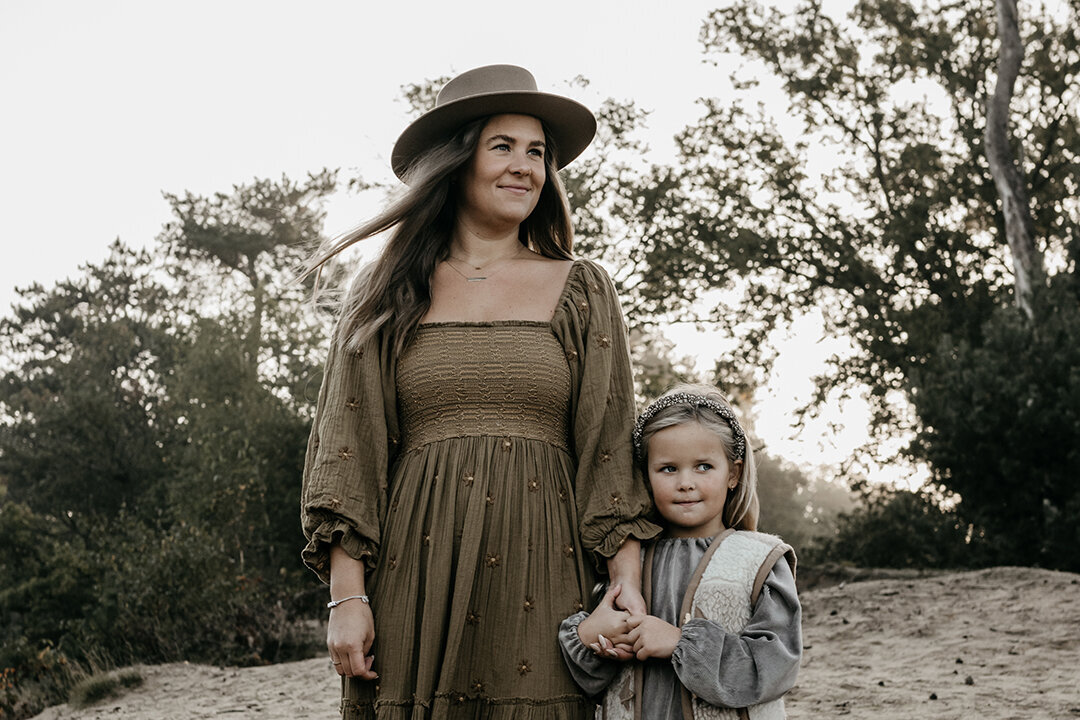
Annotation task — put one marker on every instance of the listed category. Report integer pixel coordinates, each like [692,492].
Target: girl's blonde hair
[394,291]
[705,405]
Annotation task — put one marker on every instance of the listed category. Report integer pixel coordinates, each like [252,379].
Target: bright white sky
[107,104]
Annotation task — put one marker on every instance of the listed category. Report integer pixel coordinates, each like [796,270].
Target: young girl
[723,635]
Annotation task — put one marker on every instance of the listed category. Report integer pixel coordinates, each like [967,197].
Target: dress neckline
[575,267]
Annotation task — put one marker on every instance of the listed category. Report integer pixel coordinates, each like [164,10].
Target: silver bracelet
[334,603]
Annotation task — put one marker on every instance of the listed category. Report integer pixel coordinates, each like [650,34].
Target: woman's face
[502,182]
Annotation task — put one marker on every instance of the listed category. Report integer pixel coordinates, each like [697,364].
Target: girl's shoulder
[757,552]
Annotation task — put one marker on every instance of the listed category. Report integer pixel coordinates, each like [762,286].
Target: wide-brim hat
[494,90]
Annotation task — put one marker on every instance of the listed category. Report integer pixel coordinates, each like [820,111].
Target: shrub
[901,529]
[123,591]
[100,686]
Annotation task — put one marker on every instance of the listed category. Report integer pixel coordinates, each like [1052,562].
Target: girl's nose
[686,481]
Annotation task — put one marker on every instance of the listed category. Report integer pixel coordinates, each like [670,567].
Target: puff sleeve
[349,454]
[759,664]
[612,501]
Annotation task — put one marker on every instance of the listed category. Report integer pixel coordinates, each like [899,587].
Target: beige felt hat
[493,90]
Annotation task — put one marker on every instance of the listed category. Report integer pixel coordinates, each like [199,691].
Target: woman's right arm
[351,629]
[345,477]
[348,458]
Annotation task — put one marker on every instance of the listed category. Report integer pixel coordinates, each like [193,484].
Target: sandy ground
[996,643]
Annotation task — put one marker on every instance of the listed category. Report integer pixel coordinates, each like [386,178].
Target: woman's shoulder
[589,277]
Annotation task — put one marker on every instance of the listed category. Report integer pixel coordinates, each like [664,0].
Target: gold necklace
[480,278]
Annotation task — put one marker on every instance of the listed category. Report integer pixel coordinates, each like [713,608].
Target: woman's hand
[349,636]
[351,629]
[604,631]
[630,599]
[652,637]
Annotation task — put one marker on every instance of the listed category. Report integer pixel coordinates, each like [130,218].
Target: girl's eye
[666,469]
[704,467]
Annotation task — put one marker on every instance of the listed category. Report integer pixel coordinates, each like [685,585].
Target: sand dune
[996,643]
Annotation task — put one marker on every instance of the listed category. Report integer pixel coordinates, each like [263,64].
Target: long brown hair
[394,291]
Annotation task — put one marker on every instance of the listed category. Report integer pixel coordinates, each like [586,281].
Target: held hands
[349,635]
[604,631]
[651,637]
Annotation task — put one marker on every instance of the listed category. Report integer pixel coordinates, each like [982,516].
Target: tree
[84,404]
[153,420]
[871,200]
[258,235]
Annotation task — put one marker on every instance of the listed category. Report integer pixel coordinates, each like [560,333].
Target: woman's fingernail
[612,653]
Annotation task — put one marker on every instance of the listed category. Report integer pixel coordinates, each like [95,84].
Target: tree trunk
[1015,204]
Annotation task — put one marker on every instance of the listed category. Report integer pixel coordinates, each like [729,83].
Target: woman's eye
[537,152]
[501,146]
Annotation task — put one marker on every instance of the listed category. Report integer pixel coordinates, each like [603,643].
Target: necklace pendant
[476,279]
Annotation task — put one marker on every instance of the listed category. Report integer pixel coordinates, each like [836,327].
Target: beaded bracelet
[334,603]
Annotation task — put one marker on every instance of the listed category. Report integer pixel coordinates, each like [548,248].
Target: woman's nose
[519,164]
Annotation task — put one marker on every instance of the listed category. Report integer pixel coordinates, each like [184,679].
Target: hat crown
[487,79]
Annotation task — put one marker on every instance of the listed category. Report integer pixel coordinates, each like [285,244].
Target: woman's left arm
[614,507]
[624,568]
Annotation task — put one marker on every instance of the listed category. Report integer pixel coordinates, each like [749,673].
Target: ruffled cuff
[316,554]
[640,529]
[591,672]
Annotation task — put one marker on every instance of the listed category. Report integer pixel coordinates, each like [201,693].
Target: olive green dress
[483,475]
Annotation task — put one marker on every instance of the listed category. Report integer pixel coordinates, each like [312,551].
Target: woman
[470,465]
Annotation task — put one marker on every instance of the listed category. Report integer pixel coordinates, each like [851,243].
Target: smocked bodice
[468,379]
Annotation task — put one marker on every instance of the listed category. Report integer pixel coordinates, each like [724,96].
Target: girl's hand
[652,637]
[604,631]
[349,635]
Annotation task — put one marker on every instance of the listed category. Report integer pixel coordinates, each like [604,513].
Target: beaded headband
[696,401]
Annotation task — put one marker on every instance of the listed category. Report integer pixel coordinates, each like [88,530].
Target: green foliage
[900,235]
[868,197]
[154,418]
[655,371]
[900,529]
[40,677]
[84,400]
[1002,429]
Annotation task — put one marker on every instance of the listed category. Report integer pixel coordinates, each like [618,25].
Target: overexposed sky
[108,103]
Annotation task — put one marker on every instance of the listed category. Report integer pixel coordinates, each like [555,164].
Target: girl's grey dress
[721,668]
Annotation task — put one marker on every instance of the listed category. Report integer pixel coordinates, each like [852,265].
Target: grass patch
[100,686]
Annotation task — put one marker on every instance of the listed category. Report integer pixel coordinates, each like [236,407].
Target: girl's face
[502,182]
[690,476]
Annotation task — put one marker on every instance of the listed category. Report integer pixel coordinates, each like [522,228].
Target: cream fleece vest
[724,587]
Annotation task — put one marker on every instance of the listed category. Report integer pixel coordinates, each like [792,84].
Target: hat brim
[571,124]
